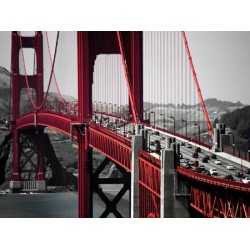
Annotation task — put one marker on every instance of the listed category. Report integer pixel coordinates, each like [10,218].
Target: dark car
[199,170]
[195,155]
[229,177]
[198,149]
[204,159]
[189,167]
[180,155]
[206,172]
[182,143]
[247,171]
[158,148]
[157,142]
[213,156]
[202,167]
[240,175]
[152,143]
[194,163]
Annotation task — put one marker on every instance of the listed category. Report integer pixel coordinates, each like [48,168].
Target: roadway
[122,127]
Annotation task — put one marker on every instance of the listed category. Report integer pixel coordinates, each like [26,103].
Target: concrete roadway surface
[188,154]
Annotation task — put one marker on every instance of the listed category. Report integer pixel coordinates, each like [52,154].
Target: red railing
[149,186]
[212,180]
[114,146]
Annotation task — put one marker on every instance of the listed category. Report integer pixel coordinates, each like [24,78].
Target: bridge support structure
[19,82]
[172,205]
[110,199]
[137,141]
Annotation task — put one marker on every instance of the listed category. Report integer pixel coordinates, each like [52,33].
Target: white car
[217,162]
[213,171]
[246,180]
[230,167]
[189,145]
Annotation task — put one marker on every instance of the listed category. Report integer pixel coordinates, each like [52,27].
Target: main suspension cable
[26,77]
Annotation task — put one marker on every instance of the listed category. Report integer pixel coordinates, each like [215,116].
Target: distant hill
[239,121]
[215,108]
[4,93]
[25,105]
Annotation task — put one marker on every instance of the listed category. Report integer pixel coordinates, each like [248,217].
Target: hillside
[239,121]
[4,93]
[215,108]
[25,104]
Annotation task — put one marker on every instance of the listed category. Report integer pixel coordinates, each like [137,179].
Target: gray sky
[221,60]
[222,63]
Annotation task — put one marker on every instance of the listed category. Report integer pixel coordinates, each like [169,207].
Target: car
[202,167]
[195,155]
[185,160]
[189,145]
[194,163]
[213,171]
[230,167]
[247,171]
[217,162]
[157,133]
[158,148]
[180,155]
[198,170]
[229,177]
[129,135]
[152,143]
[182,143]
[213,156]
[198,149]
[204,159]
[189,167]
[206,172]
[240,174]
[246,180]
[157,142]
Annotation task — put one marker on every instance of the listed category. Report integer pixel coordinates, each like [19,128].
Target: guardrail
[212,180]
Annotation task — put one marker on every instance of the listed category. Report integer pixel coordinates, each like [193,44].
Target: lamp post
[185,121]
[149,150]
[144,114]
[233,145]
[115,109]
[111,110]
[124,131]
[164,119]
[172,117]
[105,107]
[95,105]
[152,112]
[119,111]
[122,115]
[100,106]
[199,130]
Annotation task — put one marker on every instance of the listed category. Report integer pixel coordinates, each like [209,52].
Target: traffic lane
[222,170]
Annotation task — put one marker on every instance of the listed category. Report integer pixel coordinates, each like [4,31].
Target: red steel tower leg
[15,172]
[84,109]
[40,174]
